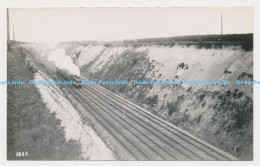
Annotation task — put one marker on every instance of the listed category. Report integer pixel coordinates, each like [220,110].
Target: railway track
[121,137]
[175,149]
[143,135]
[181,145]
[151,147]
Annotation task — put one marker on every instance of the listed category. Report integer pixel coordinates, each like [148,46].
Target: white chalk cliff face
[92,147]
[220,114]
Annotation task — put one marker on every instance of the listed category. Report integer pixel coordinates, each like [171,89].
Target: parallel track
[153,146]
[143,135]
[135,151]
[186,144]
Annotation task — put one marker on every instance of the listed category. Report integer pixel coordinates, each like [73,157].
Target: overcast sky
[52,25]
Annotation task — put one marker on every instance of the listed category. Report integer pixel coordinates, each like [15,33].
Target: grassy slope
[31,127]
[202,41]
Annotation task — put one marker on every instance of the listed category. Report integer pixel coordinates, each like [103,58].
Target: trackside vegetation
[33,133]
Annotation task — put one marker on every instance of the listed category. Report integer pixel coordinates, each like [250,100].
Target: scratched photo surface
[130,83]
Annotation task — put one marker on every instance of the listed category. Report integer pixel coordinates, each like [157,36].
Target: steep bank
[33,132]
[42,123]
[219,114]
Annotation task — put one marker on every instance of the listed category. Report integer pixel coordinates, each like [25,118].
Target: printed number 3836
[21,154]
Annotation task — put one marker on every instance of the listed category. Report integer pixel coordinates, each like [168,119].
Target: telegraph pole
[8,31]
[221,29]
[13,33]
[221,25]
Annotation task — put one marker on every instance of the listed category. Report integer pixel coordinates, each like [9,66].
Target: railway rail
[192,147]
[145,136]
[142,134]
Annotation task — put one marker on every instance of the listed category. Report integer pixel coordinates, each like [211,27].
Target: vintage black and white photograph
[167,83]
